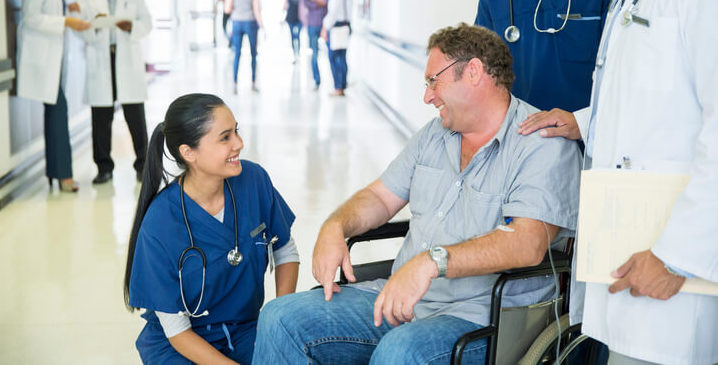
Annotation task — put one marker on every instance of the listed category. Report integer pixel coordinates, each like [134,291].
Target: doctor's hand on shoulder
[330,252]
[553,123]
[76,24]
[645,274]
[125,25]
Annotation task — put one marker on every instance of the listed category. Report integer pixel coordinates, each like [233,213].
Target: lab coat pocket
[423,194]
[659,51]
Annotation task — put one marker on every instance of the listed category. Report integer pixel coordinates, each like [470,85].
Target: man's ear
[476,71]
[187,153]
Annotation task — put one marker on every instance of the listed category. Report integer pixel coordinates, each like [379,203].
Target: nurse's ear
[187,153]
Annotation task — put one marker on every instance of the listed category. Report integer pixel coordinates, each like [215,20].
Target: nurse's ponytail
[187,120]
[152,176]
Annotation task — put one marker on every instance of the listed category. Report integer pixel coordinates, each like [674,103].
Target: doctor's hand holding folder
[621,214]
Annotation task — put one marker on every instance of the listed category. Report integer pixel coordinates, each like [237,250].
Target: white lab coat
[658,105]
[129,61]
[41,37]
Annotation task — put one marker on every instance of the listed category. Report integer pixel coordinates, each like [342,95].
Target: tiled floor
[63,256]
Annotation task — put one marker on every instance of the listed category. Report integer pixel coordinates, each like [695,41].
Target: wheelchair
[515,335]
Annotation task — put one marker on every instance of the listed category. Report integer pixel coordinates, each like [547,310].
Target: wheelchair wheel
[543,349]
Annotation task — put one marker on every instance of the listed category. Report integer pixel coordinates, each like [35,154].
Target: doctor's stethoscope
[234,257]
[512,33]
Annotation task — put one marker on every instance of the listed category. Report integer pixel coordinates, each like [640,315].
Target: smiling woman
[202,297]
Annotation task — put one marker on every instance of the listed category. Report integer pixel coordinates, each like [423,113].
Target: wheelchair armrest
[385,231]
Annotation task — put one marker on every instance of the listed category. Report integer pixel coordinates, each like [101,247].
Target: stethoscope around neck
[512,32]
[234,257]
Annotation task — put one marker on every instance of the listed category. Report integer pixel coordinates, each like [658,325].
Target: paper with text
[622,212]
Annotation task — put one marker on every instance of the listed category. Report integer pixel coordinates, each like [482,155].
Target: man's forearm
[500,250]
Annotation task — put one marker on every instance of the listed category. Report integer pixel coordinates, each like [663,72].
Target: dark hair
[187,120]
[465,42]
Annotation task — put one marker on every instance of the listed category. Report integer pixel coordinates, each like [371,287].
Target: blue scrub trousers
[313,33]
[302,328]
[155,348]
[239,29]
[58,153]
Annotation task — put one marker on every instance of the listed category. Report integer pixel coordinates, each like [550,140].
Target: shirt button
[424,245]
[458,183]
[440,214]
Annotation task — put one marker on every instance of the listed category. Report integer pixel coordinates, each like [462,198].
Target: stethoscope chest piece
[234,257]
[512,33]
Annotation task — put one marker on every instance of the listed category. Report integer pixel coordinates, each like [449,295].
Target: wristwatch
[441,258]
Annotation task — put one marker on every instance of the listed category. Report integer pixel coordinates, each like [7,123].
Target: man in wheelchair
[464,175]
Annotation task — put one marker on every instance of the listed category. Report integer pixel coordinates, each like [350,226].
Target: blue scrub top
[552,70]
[232,294]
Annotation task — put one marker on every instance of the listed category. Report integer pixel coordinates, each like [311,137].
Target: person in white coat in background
[41,40]
[655,107]
[116,71]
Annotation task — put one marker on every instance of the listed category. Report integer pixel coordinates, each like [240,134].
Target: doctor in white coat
[655,107]
[116,71]
[41,39]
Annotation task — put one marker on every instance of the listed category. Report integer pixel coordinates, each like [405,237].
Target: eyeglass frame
[430,82]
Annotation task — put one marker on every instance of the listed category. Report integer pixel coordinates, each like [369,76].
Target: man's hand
[555,123]
[404,289]
[74,7]
[646,274]
[324,34]
[125,25]
[76,24]
[330,252]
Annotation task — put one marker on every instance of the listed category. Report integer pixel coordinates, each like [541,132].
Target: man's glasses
[431,81]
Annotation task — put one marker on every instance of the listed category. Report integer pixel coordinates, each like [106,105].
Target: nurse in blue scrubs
[201,244]
[553,68]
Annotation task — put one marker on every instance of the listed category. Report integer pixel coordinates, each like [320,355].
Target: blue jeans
[239,29]
[302,328]
[313,33]
[294,30]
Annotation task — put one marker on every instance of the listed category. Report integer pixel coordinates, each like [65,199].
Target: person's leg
[428,341]
[303,327]
[102,138]
[135,118]
[333,65]
[155,348]
[342,68]
[252,30]
[313,33]
[58,153]
[295,30]
[237,42]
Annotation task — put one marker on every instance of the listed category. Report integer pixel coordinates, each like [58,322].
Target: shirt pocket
[578,41]
[425,189]
[483,212]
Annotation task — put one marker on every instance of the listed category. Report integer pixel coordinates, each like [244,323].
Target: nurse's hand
[76,24]
[330,252]
[553,123]
[645,274]
[405,287]
[125,25]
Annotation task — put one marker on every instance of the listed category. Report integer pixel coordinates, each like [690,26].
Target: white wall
[399,79]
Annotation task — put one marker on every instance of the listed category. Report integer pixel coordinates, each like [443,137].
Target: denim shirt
[511,176]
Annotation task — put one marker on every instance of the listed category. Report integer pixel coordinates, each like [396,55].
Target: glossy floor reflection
[63,255]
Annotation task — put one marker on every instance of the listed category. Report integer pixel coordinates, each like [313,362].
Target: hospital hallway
[63,255]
